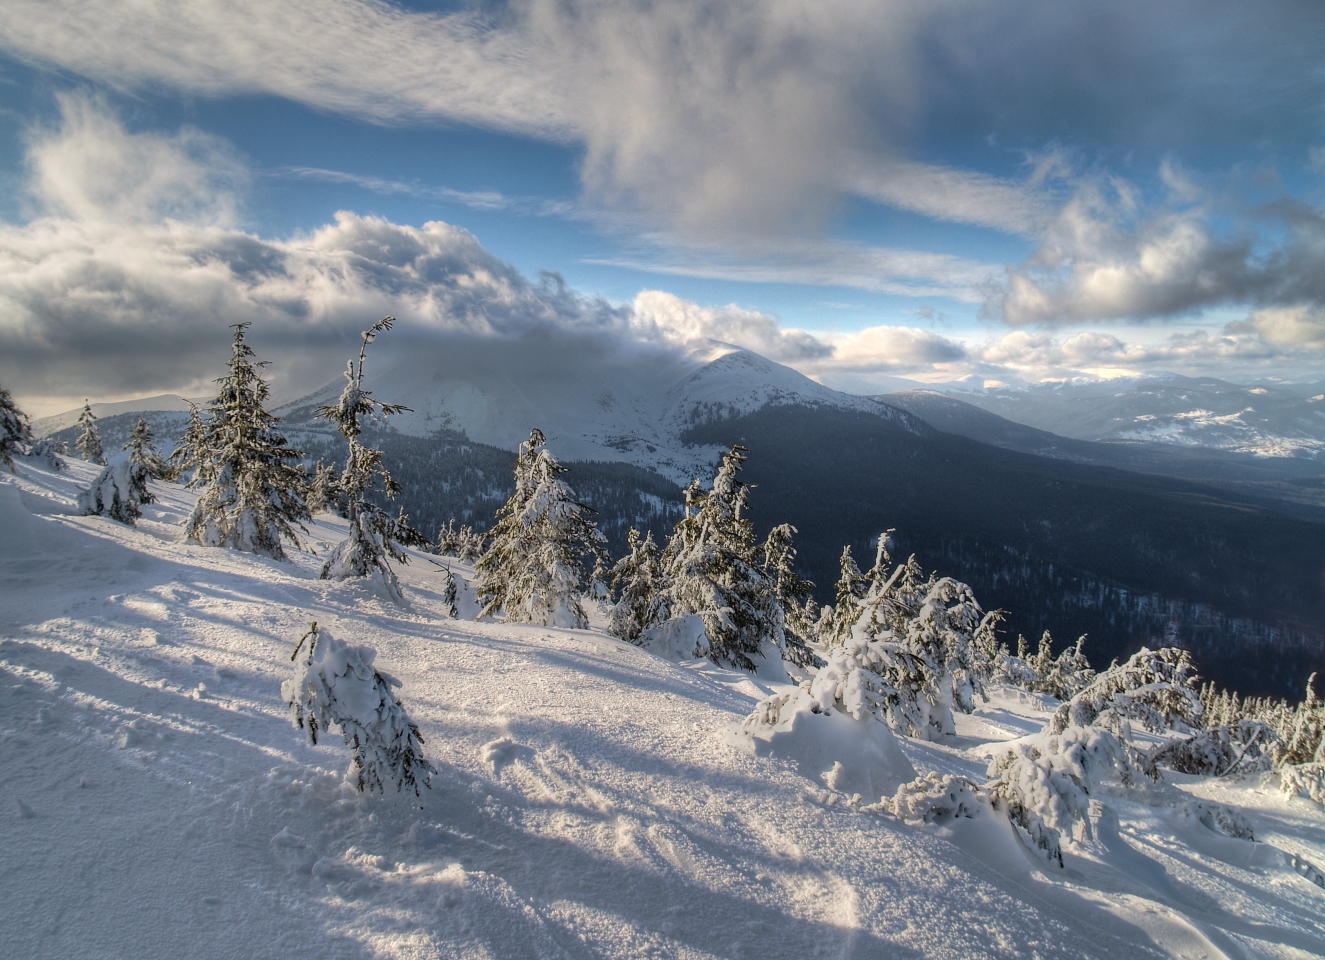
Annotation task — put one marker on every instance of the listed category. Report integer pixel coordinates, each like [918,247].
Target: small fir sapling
[711,569]
[451,596]
[324,491]
[534,569]
[193,455]
[336,685]
[794,594]
[472,544]
[142,452]
[15,430]
[375,537]
[118,492]
[636,582]
[252,485]
[88,443]
[447,541]
[1062,677]
[838,620]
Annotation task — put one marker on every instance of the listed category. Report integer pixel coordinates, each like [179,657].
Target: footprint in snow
[505,751]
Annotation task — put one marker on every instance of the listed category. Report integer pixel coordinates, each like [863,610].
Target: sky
[870,191]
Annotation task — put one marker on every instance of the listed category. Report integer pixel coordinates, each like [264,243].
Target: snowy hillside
[591,800]
[630,406]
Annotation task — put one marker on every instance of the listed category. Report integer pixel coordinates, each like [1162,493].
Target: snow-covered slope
[590,801]
[592,403]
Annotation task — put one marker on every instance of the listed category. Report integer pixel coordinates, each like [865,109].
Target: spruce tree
[794,594]
[335,685]
[852,585]
[711,567]
[143,453]
[89,441]
[324,491]
[192,455]
[374,535]
[252,486]
[636,584]
[15,430]
[534,568]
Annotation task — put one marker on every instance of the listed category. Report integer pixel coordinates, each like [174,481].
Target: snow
[590,799]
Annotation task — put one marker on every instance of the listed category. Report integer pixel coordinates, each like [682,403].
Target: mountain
[166,402]
[592,403]
[1266,419]
[1282,482]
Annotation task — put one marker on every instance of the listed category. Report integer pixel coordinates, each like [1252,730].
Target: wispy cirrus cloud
[820,262]
[474,199]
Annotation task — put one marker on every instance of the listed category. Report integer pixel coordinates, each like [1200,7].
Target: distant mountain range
[1266,419]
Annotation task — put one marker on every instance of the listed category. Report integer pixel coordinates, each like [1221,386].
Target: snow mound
[859,759]
[22,534]
[684,638]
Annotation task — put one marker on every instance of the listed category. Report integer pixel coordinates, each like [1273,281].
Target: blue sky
[867,191]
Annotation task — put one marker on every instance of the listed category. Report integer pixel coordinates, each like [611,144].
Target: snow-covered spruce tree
[88,443]
[324,491]
[15,430]
[252,486]
[1014,670]
[852,585]
[472,544]
[711,568]
[535,567]
[1153,688]
[447,541]
[192,456]
[374,535]
[1045,782]
[1302,731]
[795,595]
[636,585]
[1063,677]
[920,649]
[118,492]
[336,685]
[141,451]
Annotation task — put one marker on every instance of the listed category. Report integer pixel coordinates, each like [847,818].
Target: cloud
[92,169]
[1038,356]
[739,117]
[960,196]
[125,286]
[911,273]
[474,199]
[1107,256]
[661,316]
[1301,325]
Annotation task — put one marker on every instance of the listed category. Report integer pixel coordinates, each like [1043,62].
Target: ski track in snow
[158,803]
